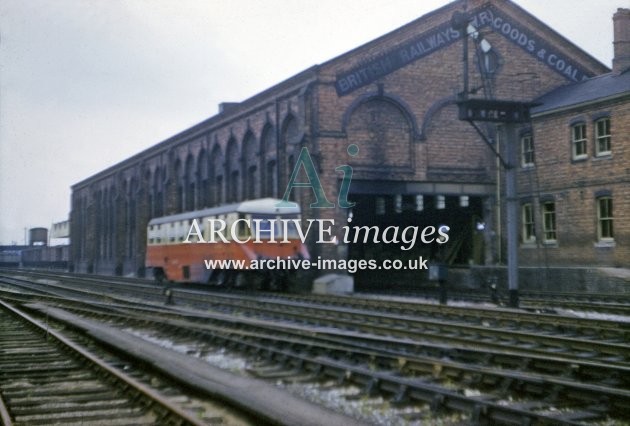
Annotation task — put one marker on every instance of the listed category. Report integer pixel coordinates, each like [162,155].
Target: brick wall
[574,186]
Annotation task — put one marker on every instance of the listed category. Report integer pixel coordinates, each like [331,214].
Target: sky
[84,84]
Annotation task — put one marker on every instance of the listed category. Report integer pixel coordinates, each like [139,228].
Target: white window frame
[605,218]
[527,151]
[549,222]
[528,224]
[603,136]
[583,140]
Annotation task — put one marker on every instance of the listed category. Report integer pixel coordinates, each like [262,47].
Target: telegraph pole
[509,114]
[511,199]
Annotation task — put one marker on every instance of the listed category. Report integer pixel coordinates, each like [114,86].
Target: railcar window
[263,227]
[290,233]
[243,229]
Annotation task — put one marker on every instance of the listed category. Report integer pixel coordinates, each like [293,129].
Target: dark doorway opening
[462,215]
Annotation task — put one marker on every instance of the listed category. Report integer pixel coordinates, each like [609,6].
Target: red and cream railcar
[189,247]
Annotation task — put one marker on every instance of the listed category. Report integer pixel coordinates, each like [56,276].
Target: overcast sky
[87,83]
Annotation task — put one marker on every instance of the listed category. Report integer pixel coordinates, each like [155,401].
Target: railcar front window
[291,231]
[261,227]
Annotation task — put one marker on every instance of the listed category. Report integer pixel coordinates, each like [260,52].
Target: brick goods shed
[387,109]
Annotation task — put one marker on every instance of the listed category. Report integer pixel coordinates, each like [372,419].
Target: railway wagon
[55,257]
[10,256]
[241,244]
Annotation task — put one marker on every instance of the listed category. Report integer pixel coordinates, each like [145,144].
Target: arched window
[383,133]
[290,141]
[157,209]
[232,171]
[251,179]
[179,184]
[203,175]
[111,220]
[131,245]
[216,172]
[189,184]
[269,155]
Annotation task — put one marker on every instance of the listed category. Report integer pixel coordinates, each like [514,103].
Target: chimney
[224,106]
[621,43]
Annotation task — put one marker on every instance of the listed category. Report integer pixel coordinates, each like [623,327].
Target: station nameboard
[444,35]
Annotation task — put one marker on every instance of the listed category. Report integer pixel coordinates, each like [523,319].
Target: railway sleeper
[440,398]
[535,389]
[372,387]
[621,408]
[275,373]
[401,397]
[28,398]
[54,408]
[577,416]
[132,416]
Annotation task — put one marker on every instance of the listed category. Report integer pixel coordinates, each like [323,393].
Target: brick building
[387,109]
[575,179]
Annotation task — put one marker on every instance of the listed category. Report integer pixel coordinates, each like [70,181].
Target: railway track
[202,390]
[541,384]
[479,315]
[533,301]
[530,300]
[615,304]
[493,317]
[603,343]
[611,349]
[48,379]
[297,355]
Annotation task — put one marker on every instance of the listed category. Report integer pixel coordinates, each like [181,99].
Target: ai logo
[304,160]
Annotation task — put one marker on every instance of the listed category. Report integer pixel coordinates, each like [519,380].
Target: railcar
[239,244]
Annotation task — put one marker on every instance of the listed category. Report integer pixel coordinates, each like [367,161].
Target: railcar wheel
[278,282]
[241,280]
[159,276]
[258,281]
[224,278]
